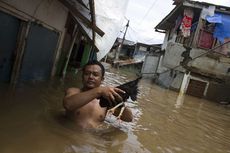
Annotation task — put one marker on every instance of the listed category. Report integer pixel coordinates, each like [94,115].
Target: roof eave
[164,24]
[164,20]
[84,19]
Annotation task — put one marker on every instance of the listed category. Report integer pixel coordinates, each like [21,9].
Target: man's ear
[103,78]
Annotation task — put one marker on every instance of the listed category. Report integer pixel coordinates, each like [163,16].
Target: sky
[144,15]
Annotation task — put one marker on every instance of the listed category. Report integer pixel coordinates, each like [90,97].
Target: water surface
[32,121]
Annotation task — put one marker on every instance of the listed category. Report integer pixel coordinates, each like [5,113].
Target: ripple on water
[163,122]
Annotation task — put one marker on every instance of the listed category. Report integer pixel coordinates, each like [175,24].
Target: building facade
[197,50]
[43,38]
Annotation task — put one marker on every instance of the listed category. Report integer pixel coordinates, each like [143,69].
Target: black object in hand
[131,90]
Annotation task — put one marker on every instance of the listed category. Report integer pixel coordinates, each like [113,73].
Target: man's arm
[75,99]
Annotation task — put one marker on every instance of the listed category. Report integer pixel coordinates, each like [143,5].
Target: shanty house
[41,38]
[129,53]
[197,49]
[126,51]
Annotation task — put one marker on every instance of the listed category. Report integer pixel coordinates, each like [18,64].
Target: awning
[80,11]
[101,20]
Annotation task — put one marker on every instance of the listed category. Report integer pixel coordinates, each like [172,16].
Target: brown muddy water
[31,121]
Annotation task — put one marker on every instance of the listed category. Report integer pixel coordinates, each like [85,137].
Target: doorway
[9,29]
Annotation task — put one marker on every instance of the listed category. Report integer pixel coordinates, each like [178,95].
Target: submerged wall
[218,92]
[170,79]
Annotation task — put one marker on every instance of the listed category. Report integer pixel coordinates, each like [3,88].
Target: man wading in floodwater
[83,106]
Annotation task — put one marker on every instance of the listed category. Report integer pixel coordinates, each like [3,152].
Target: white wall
[172,57]
[149,66]
[177,81]
[170,79]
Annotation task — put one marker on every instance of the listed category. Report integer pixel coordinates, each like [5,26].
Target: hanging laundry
[217,18]
[210,11]
[187,22]
[178,22]
[222,30]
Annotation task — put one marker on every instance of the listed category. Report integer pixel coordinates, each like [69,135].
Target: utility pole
[121,44]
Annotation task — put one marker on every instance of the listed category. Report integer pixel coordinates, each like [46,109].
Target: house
[126,52]
[39,39]
[197,49]
[130,53]
[141,50]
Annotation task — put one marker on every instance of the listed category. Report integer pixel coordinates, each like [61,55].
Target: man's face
[92,76]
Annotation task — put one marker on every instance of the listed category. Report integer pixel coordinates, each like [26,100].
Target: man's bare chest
[91,111]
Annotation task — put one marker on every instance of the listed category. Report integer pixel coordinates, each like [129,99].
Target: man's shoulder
[71,91]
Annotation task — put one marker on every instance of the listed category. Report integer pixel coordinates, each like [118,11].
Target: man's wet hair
[95,62]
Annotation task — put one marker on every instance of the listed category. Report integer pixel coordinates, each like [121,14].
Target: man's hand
[112,94]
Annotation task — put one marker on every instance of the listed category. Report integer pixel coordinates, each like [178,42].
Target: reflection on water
[32,120]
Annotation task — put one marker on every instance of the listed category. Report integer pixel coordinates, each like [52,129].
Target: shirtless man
[83,106]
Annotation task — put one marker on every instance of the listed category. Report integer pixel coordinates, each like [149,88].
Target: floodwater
[32,121]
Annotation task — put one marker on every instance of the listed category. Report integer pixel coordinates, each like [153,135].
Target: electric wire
[147,12]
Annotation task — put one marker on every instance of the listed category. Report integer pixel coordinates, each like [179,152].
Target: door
[39,53]
[196,88]
[9,27]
